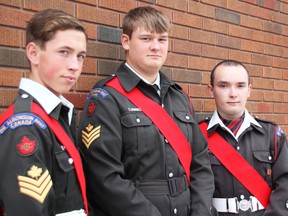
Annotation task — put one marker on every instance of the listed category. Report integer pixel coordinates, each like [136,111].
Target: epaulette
[264,120]
[206,119]
[278,130]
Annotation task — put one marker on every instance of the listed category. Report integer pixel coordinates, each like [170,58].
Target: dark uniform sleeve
[108,187]
[279,198]
[26,187]
[202,179]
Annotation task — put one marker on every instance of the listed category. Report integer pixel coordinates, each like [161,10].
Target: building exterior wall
[203,33]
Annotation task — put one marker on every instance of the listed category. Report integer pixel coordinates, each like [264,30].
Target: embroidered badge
[22,119]
[279,131]
[98,92]
[91,135]
[37,185]
[27,146]
[91,108]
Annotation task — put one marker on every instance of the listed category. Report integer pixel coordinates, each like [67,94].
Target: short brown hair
[44,24]
[227,63]
[147,17]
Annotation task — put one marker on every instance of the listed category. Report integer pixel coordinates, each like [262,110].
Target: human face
[59,64]
[146,52]
[231,91]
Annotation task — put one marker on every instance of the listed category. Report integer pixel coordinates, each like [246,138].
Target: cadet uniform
[130,167]
[263,145]
[37,175]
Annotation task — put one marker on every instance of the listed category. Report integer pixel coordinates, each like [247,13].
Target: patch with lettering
[98,92]
[90,134]
[36,184]
[27,145]
[22,119]
[91,108]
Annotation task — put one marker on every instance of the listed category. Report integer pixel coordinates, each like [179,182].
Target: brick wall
[204,32]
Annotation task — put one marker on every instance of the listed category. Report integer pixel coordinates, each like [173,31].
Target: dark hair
[227,63]
[44,24]
[147,17]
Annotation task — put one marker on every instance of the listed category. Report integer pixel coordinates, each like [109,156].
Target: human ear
[32,52]
[125,41]
[210,89]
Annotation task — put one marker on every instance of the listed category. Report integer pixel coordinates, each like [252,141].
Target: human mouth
[70,79]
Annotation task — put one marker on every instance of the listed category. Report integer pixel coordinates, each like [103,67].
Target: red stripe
[238,166]
[162,120]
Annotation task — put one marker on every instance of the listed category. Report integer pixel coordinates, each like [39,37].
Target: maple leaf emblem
[26,146]
[35,172]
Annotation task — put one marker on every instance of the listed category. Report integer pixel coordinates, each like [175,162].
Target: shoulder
[204,120]
[270,124]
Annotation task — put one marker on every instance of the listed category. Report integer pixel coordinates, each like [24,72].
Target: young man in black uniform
[41,173]
[249,156]
[133,164]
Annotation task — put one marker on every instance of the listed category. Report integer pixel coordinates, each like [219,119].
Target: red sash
[63,138]
[238,166]
[162,120]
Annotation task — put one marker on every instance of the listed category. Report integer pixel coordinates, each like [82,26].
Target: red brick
[119,5]
[91,30]
[285,74]
[280,63]
[89,66]
[209,105]
[222,4]
[273,50]
[281,85]
[10,77]
[201,9]
[197,63]
[274,73]
[178,31]
[262,60]
[280,108]
[78,99]
[255,70]
[202,36]
[256,95]
[279,40]
[214,52]
[252,22]
[186,47]
[197,104]
[7,97]
[178,5]
[176,60]
[90,2]
[240,55]
[252,46]
[262,83]
[263,107]
[10,37]
[270,96]
[198,91]
[85,82]
[215,26]
[16,3]
[98,15]
[14,17]
[237,31]
[230,42]
[38,5]
[187,19]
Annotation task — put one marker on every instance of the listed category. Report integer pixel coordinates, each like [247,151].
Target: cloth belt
[232,205]
[172,186]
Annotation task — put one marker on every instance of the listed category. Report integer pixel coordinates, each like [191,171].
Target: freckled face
[230,91]
[59,64]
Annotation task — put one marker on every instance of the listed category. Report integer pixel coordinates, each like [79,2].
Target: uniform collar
[248,120]
[45,97]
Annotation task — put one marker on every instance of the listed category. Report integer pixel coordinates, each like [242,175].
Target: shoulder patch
[279,131]
[98,92]
[27,145]
[90,134]
[91,108]
[22,119]
[36,184]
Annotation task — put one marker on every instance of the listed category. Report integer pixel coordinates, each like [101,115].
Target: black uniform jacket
[37,176]
[265,149]
[123,150]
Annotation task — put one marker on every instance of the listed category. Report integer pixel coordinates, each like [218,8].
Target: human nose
[232,92]
[155,45]
[73,63]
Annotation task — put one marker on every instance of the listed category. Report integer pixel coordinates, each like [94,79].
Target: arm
[109,189]
[202,179]
[278,200]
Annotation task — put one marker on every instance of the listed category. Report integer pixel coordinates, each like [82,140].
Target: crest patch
[91,108]
[91,135]
[98,92]
[36,184]
[27,145]
[22,119]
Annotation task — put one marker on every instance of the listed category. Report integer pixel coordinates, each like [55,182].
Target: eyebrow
[70,48]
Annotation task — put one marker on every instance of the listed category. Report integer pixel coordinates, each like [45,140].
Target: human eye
[223,85]
[64,52]
[81,56]
[163,39]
